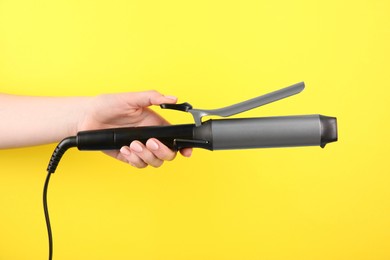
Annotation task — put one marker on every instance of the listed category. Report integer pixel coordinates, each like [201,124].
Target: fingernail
[125,151]
[171,97]
[153,145]
[136,147]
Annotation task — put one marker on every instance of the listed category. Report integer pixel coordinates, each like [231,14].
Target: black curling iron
[220,134]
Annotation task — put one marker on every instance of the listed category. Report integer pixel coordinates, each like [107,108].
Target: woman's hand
[130,110]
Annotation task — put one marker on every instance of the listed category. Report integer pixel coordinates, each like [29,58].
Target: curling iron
[219,134]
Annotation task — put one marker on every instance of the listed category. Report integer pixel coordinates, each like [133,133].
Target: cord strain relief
[61,148]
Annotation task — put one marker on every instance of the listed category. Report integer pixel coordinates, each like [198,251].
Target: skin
[28,121]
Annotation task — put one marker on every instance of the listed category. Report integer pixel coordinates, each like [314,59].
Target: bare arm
[27,121]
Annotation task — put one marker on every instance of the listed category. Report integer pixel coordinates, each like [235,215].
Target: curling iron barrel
[284,131]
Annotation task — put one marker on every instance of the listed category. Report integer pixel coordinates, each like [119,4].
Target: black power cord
[47,218]
[55,158]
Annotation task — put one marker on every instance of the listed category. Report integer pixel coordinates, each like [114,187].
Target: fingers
[127,155]
[154,153]
[186,152]
[160,150]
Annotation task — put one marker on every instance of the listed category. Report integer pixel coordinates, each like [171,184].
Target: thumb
[148,98]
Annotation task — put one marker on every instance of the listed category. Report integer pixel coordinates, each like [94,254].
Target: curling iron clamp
[219,134]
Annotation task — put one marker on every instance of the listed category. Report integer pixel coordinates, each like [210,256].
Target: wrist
[81,106]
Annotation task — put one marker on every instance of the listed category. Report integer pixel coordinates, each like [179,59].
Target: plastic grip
[112,139]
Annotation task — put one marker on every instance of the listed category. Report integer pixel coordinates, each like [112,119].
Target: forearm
[26,121]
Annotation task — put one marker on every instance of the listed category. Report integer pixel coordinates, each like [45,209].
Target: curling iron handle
[115,138]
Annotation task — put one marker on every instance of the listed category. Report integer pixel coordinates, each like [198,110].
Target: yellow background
[295,203]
